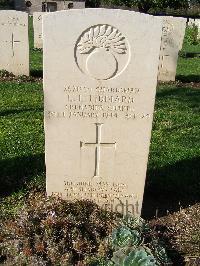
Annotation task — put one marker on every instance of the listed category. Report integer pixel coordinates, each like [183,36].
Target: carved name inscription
[99,102]
[13,21]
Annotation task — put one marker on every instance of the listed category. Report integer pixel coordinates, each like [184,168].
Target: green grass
[173,174]
[21,134]
[188,69]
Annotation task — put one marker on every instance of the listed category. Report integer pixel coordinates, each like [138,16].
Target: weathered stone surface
[171,44]
[14,44]
[37,26]
[100,79]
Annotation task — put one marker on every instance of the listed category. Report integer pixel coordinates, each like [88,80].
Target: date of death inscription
[99,102]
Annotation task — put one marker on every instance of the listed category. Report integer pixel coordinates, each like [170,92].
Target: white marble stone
[14,43]
[37,27]
[172,40]
[100,76]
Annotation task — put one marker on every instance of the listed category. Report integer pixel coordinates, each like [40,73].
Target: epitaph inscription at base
[99,88]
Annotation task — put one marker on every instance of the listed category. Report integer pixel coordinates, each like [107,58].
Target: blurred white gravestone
[198,25]
[191,22]
[99,102]
[37,26]
[172,39]
[14,43]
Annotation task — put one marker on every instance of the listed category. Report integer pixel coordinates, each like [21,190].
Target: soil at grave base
[195,85]
[20,79]
[181,232]
[179,84]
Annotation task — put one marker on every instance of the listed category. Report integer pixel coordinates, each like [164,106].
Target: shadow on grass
[18,111]
[172,187]
[17,171]
[190,97]
[36,73]
[188,78]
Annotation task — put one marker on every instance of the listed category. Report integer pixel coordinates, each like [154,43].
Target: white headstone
[37,26]
[172,40]
[100,81]
[14,44]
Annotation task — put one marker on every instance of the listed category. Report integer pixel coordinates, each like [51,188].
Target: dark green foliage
[92,3]
[147,5]
[6,4]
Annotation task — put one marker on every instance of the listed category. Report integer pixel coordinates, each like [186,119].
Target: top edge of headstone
[171,17]
[13,12]
[40,12]
[87,11]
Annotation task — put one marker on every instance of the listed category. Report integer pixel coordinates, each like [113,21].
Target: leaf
[96,31]
[139,258]
[112,35]
[91,33]
[102,30]
[109,30]
[102,37]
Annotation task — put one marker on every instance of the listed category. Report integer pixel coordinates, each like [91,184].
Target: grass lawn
[173,176]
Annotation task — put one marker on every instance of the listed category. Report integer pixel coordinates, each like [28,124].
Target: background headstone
[197,23]
[100,80]
[172,39]
[191,22]
[14,43]
[37,26]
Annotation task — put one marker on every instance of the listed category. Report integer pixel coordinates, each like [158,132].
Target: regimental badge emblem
[102,52]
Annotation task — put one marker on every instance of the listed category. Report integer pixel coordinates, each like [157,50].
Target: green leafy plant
[124,236]
[139,257]
[191,35]
[133,244]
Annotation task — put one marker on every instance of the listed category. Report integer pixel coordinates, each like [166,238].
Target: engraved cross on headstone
[13,44]
[98,145]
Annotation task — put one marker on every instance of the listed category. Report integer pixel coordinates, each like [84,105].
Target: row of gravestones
[14,49]
[100,76]
[172,39]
